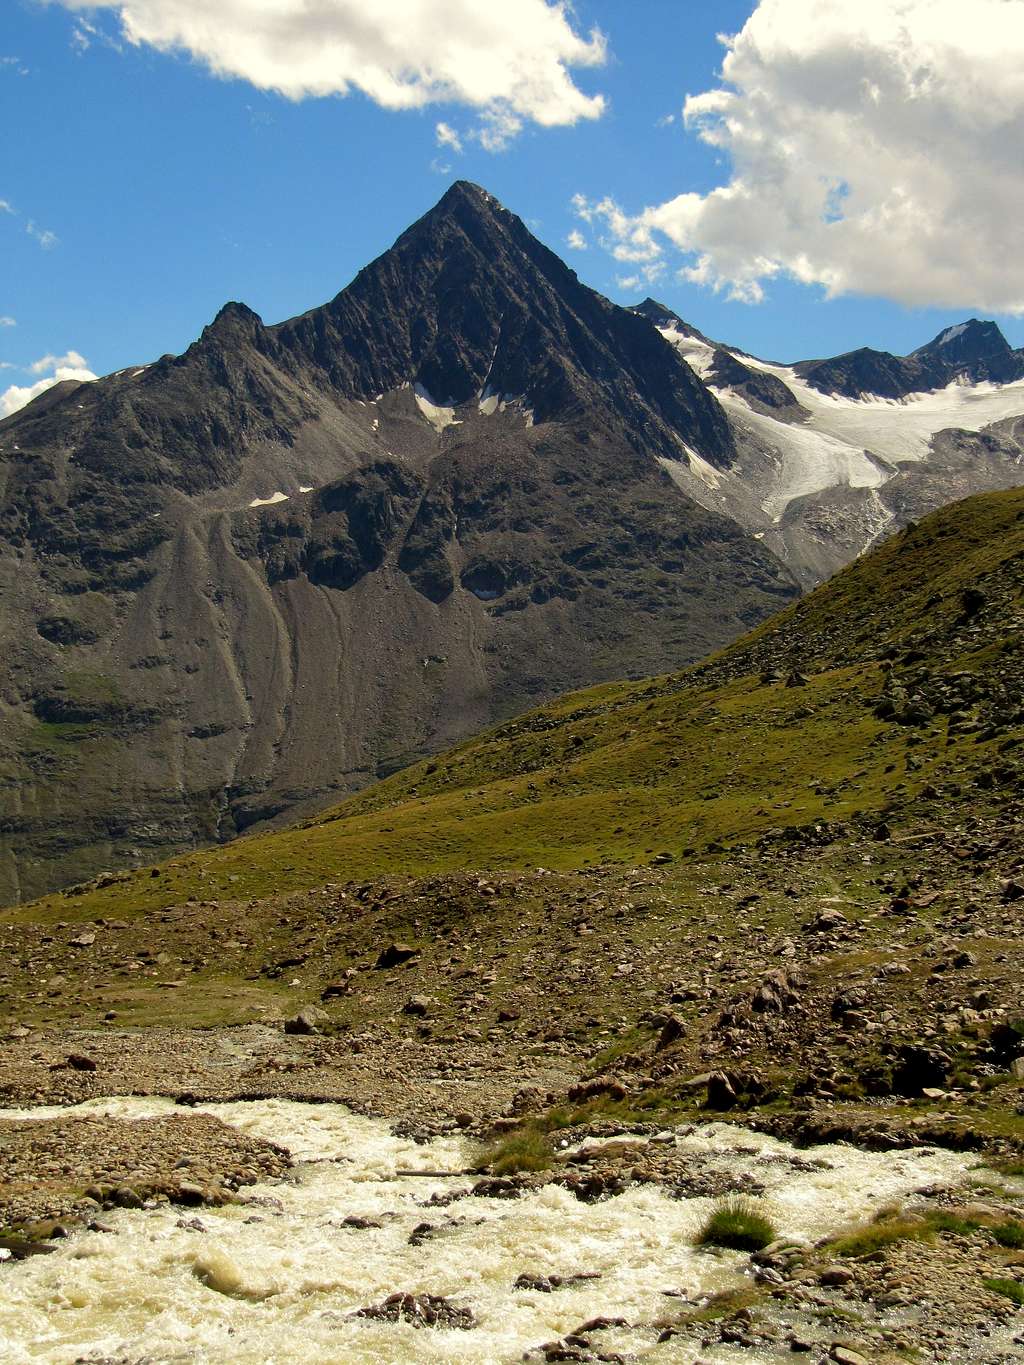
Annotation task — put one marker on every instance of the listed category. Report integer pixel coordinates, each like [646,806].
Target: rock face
[239,581]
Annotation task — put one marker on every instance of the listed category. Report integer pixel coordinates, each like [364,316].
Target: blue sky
[143,191]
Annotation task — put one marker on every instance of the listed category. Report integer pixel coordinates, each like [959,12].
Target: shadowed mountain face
[236,582]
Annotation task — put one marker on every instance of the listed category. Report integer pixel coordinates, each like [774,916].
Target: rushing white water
[274,1282]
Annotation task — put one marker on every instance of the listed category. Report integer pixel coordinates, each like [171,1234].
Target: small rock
[671,1031]
[845,1355]
[835,1275]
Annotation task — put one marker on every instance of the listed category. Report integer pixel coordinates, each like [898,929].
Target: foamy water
[275,1283]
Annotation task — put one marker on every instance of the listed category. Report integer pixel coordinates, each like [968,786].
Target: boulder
[395,954]
[306,1022]
[418,1006]
[671,1031]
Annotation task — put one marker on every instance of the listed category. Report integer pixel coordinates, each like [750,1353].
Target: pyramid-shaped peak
[971,339]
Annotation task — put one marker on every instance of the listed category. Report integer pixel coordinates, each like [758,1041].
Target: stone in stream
[547,1284]
[420,1310]
[20,1250]
[600,1324]
[834,1276]
[845,1355]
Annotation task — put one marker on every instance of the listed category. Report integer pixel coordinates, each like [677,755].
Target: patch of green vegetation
[892,1226]
[629,1041]
[739,1224]
[525,1149]
[865,1241]
[92,686]
[52,734]
[725,1304]
[1010,1289]
[940,1220]
[1010,1234]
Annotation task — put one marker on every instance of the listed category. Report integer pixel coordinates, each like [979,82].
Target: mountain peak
[467,189]
[658,313]
[973,339]
[468,300]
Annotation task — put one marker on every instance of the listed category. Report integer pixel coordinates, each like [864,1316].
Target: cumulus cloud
[447,137]
[71,365]
[874,149]
[69,360]
[511,61]
[8,321]
[576,240]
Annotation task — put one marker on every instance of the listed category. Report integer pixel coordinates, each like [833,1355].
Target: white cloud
[69,360]
[498,127]
[8,321]
[576,240]
[68,366]
[447,137]
[43,236]
[5,206]
[875,149]
[510,61]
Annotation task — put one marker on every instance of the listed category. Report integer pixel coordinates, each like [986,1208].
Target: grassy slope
[625,771]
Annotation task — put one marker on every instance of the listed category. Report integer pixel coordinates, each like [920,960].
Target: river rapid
[275,1280]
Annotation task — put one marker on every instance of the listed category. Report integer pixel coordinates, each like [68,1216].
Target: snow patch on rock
[439,415]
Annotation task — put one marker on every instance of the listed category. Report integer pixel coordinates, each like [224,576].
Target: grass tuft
[1011,1289]
[874,1237]
[738,1224]
[1010,1234]
[527,1149]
